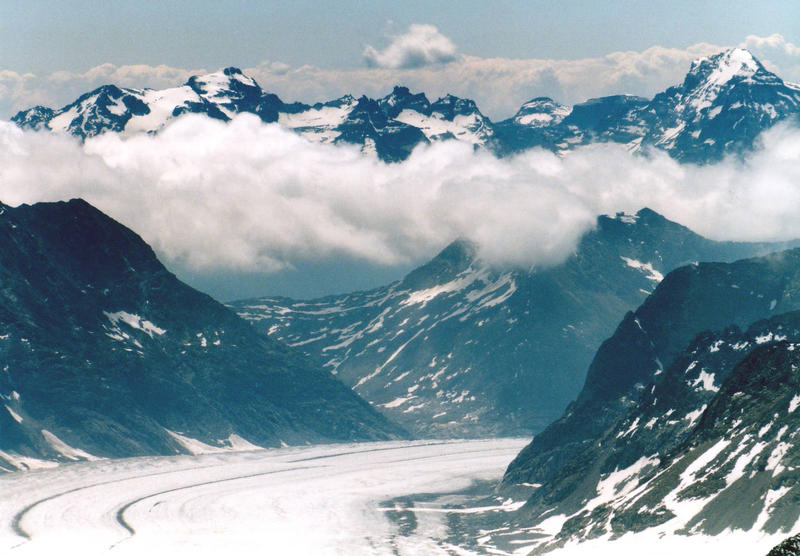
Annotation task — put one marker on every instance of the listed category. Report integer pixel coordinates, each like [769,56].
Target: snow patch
[705,381]
[769,337]
[234,443]
[770,498]
[377,371]
[631,429]
[134,321]
[693,416]
[65,449]
[24,462]
[14,414]
[776,457]
[620,483]
[794,402]
[397,402]
[646,268]
[422,297]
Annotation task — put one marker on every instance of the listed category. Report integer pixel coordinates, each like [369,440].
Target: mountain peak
[648,213]
[402,98]
[221,83]
[740,57]
[721,68]
[541,111]
[451,261]
[401,95]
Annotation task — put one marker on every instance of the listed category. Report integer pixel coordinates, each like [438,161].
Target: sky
[306,220]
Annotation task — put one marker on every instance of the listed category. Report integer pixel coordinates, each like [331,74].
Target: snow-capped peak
[709,76]
[541,111]
[721,68]
[221,83]
[721,106]
[346,99]
[237,75]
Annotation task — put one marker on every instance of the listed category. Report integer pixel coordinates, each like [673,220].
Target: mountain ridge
[698,437]
[105,353]
[719,109]
[459,347]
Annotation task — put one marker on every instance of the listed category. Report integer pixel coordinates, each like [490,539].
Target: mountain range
[461,348]
[723,104]
[104,353]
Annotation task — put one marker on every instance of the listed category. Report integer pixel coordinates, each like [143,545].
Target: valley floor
[382,498]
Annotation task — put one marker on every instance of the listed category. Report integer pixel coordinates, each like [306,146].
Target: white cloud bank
[255,197]
[424,60]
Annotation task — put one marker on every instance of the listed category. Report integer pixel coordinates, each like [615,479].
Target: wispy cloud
[256,197]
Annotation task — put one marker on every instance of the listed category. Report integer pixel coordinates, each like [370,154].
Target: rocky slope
[103,352]
[687,421]
[458,348]
[789,547]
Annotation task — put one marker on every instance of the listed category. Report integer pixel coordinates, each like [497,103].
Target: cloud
[253,197]
[420,46]
[775,41]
